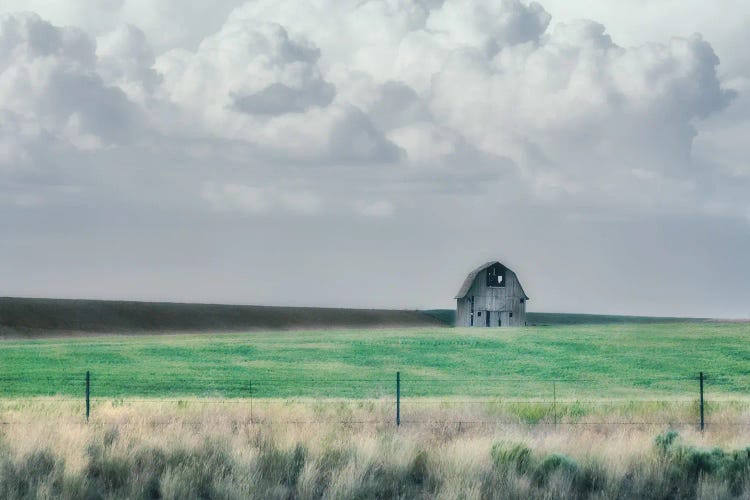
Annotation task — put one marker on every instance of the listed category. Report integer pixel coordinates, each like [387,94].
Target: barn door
[505,318]
[487,318]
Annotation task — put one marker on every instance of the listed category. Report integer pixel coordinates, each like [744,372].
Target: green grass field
[588,361]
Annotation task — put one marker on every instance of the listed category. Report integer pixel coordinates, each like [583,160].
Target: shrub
[328,464]
[106,471]
[516,456]
[531,413]
[552,464]
[418,470]
[380,480]
[684,468]
[388,480]
[38,471]
[281,467]
[665,441]
[591,477]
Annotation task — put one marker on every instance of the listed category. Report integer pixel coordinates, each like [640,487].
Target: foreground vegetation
[192,450]
[588,361]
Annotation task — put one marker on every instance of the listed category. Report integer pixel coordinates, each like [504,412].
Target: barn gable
[469,281]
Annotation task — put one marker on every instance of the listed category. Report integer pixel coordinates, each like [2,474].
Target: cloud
[52,98]
[241,59]
[576,113]
[236,197]
[452,92]
[582,109]
[253,82]
[462,86]
[396,105]
[488,24]
[377,208]
[354,139]
[253,200]
[126,60]
[278,99]
[167,23]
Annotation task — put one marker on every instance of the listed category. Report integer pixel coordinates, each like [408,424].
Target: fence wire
[691,400]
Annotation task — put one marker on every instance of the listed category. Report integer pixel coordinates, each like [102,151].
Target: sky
[354,153]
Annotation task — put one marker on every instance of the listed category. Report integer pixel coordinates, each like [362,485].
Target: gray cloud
[278,98]
[397,105]
[489,25]
[354,139]
[53,99]
[126,59]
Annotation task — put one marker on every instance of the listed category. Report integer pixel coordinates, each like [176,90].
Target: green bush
[554,464]
[513,456]
[684,467]
[531,413]
[665,441]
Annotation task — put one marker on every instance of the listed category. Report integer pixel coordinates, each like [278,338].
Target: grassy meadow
[620,361]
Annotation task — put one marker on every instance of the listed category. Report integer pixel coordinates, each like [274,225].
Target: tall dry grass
[340,449]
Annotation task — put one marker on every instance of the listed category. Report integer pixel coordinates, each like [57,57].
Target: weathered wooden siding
[500,302]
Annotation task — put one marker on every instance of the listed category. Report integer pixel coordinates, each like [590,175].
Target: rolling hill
[31,317]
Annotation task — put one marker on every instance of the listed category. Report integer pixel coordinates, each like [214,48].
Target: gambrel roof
[473,275]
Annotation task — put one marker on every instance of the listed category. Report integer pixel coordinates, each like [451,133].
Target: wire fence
[400,399]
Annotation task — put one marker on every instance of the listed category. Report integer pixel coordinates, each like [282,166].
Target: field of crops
[575,361]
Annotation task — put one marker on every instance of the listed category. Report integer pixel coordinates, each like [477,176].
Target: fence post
[398,399]
[702,421]
[251,401]
[554,401]
[88,394]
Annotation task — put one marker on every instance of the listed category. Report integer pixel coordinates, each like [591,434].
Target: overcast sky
[371,153]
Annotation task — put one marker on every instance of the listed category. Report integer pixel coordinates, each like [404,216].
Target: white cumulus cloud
[52,97]
[560,108]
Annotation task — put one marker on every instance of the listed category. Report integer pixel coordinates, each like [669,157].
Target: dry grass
[213,449]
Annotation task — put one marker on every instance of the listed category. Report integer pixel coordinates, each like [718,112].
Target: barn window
[496,276]
[511,315]
[479,313]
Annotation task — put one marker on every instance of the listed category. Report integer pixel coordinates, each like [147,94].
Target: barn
[491,296]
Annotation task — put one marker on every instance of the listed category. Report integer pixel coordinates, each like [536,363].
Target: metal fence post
[88,395]
[702,420]
[398,399]
[554,401]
